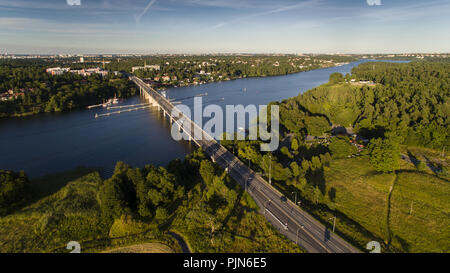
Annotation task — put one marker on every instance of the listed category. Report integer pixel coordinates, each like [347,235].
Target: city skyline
[219,26]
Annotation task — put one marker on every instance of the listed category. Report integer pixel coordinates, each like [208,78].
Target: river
[51,143]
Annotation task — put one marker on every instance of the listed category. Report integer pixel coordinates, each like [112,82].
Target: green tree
[13,190]
[315,162]
[336,77]
[295,169]
[384,154]
[161,214]
[111,198]
[284,150]
[316,125]
[340,147]
[294,144]
[207,171]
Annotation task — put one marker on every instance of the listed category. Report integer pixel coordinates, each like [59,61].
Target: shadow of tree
[332,194]
[405,245]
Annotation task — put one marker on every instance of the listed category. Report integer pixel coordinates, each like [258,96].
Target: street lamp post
[294,192]
[334,221]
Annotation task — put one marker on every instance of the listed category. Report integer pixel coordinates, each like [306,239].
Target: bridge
[287,217]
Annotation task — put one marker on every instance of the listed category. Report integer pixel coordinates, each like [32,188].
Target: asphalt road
[288,218]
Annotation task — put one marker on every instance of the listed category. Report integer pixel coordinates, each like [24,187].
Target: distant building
[83,72]
[151,67]
[90,71]
[57,70]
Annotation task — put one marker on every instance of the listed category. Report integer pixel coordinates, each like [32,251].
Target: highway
[287,217]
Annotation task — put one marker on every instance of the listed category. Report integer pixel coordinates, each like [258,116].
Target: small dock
[94,106]
[122,111]
[127,106]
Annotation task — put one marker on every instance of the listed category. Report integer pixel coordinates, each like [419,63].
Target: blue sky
[211,26]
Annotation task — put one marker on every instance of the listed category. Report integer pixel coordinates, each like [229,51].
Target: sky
[223,26]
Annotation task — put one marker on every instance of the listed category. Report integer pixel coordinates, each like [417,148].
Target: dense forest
[38,91]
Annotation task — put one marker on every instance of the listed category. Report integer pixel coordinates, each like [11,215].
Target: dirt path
[388,212]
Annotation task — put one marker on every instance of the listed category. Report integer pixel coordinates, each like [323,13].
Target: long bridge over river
[286,216]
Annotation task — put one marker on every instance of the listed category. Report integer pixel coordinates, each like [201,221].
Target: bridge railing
[168,106]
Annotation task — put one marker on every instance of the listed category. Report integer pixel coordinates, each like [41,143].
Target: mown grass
[427,228]
[361,195]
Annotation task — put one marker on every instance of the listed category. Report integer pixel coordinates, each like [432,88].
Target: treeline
[412,100]
[224,66]
[40,92]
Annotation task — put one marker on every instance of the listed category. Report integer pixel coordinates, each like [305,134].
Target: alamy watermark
[373,2]
[374,247]
[74,246]
[73,2]
[187,128]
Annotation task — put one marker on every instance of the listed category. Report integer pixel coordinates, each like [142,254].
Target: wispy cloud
[408,12]
[138,18]
[268,12]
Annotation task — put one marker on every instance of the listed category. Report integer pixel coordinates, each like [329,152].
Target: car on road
[283,198]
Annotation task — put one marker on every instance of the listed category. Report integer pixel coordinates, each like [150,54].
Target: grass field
[361,197]
[427,227]
[142,248]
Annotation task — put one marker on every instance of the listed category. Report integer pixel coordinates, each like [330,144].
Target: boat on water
[107,103]
[114,100]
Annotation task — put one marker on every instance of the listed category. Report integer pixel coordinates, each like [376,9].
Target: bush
[336,78]
[340,147]
[384,155]
[126,225]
